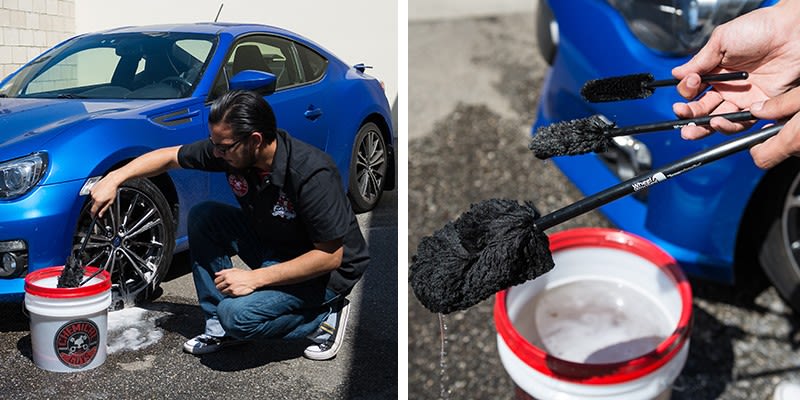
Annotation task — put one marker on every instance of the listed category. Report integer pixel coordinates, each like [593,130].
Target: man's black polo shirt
[301,202]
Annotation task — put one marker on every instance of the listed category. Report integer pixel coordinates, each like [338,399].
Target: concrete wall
[29,27]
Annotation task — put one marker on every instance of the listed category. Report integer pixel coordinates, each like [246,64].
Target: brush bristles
[626,87]
[492,246]
[569,138]
[71,274]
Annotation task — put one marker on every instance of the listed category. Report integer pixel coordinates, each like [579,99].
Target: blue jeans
[217,232]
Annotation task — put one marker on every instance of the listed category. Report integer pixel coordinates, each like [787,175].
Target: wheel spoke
[129,212]
[152,243]
[145,228]
[137,228]
[139,266]
[793,202]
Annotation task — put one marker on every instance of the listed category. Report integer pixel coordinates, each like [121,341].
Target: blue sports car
[96,101]
[714,219]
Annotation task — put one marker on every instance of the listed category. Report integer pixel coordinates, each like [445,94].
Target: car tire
[134,241]
[778,238]
[368,167]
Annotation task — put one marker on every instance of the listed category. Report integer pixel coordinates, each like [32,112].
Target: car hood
[27,124]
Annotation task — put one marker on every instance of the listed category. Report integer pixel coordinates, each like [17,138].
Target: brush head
[626,87]
[493,245]
[569,138]
[71,274]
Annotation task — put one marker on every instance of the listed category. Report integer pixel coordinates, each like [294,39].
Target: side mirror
[251,79]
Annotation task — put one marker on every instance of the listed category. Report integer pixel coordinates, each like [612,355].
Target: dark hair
[246,112]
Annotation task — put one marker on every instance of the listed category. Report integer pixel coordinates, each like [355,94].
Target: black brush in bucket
[74,269]
[640,86]
[500,243]
[597,133]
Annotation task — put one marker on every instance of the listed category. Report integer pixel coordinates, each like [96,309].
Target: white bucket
[68,325]
[623,335]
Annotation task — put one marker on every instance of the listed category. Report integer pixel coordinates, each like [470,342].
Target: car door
[300,98]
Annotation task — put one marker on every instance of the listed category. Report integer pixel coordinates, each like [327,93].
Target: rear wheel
[134,241]
[779,247]
[368,168]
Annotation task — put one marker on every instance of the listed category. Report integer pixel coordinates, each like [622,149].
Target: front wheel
[779,251]
[133,241]
[368,167]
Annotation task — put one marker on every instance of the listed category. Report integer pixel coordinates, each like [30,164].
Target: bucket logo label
[76,343]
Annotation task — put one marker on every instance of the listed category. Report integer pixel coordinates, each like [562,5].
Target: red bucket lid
[32,288]
[603,373]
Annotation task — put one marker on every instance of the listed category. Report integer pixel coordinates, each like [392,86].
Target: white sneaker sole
[337,342]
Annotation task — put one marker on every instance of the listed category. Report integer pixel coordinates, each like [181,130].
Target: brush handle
[728,76]
[677,124]
[83,247]
[645,180]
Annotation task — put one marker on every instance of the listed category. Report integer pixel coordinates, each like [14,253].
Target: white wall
[355,30]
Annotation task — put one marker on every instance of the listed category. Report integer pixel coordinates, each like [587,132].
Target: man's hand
[103,193]
[235,282]
[787,142]
[765,43]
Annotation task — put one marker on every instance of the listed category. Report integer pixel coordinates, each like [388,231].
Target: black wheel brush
[74,269]
[639,86]
[501,243]
[596,133]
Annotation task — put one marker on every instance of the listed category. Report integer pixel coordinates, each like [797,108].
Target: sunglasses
[224,148]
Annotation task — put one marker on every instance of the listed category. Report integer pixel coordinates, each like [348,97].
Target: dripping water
[444,378]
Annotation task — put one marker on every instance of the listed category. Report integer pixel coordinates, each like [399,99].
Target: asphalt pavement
[148,362]
[473,88]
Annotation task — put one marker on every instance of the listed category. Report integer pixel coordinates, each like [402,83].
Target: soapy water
[593,322]
[133,329]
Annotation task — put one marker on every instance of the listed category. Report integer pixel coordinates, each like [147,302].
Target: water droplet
[444,378]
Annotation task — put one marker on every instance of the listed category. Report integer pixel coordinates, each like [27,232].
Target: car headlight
[18,176]
[679,27]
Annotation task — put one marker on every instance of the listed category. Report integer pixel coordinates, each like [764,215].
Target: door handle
[313,113]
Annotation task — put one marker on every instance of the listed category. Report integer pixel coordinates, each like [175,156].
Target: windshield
[116,66]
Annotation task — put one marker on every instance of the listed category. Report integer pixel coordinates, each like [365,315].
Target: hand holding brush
[596,133]
[500,243]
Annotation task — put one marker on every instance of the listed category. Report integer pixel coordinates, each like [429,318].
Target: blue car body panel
[87,138]
[696,216]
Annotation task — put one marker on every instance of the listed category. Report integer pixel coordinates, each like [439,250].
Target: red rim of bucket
[65,293]
[608,373]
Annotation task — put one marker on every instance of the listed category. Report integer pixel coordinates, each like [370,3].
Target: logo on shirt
[238,185]
[283,207]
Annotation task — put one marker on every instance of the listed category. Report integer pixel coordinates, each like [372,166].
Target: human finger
[691,86]
[782,106]
[723,125]
[779,147]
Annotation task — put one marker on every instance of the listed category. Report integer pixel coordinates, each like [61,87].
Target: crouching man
[294,228]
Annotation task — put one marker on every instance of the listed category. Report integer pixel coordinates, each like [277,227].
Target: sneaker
[204,344]
[786,391]
[328,348]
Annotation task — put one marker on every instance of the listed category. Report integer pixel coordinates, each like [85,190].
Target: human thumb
[778,107]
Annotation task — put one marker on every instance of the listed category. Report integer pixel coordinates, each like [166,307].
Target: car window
[142,65]
[85,68]
[314,65]
[266,53]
